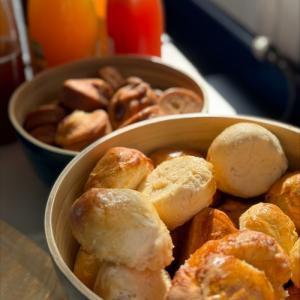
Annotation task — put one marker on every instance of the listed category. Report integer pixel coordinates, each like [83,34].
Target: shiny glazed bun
[120,282]
[221,277]
[123,227]
[295,263]
[179,188]
[270,219]
[285,193]
[86,267]
[255,248]
[247,159]
[120,167]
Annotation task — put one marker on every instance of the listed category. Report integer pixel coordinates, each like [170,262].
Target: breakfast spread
[89,108]
[175,225]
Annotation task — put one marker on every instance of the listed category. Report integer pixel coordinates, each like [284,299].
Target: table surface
[23,195]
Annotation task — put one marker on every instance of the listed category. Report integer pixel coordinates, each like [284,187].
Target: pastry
[45,133]
[86,267]
[221,277]
[255,248]
[247,159]
[295,263]
[285,193]
[180,101]
[270,219]
[120,167]
[208,224]
[179,188]
[112,76]
[129,100]
[294,293]
[121,226]
[119,282]
[86,94]
[79,129]
[46,114]
[146,113]
[163,154]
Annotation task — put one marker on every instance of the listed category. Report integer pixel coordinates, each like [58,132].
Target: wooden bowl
[49,160]
[184,130]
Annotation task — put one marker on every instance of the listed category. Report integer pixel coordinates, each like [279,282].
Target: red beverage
[135,26]
[11,75]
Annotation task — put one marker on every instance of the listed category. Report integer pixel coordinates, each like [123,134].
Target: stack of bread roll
[177,226]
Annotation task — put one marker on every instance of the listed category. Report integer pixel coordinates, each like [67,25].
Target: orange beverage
[61,31]
[135,26]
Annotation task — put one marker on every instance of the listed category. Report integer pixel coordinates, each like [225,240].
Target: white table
[23,195]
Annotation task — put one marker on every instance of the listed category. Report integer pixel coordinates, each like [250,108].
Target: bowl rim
[52,71]
[48,229]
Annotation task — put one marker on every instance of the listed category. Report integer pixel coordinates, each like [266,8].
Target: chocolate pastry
[45,133]
[112,76]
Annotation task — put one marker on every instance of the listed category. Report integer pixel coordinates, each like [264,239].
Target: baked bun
[164,154]
[270,219]
[294,293]
[123,227]
[247,159]
[295,263]
[221,277]
[119,282]
[86,267]
[285,193]
[208,224]
[255,248]
[120,167]
[179,188]
[79,129]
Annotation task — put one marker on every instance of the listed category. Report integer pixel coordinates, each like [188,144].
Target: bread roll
[247,159]
[121,226]
[119,282]
[120,167]
[163,154]
[208,224]
[79,129]
[285,193]
[270,219]
[86,267]
[221,277]
[256,248]
[295,263]
[179,188]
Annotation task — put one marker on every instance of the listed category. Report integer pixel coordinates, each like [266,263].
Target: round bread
[123,227]
[255,248]
[120,167]
[270,219]
[179,188]
[295,263]
[119,282]
[221,277]
[247,159]
[285,193]
[86,267]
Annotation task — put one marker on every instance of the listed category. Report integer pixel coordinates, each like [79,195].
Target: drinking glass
[11,66]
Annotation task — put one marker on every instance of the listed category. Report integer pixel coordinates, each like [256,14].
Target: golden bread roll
[247,159]
[285,193]
[179,188]
[221,277]
[208,224]
[256,248]
[163,154]
[234,208]
[270,219]
[121,226]
[294,293]
[79,129]
[295,263]
[120,167]
[120,282]
[86,267]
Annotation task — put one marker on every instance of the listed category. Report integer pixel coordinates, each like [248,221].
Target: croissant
[295,263]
